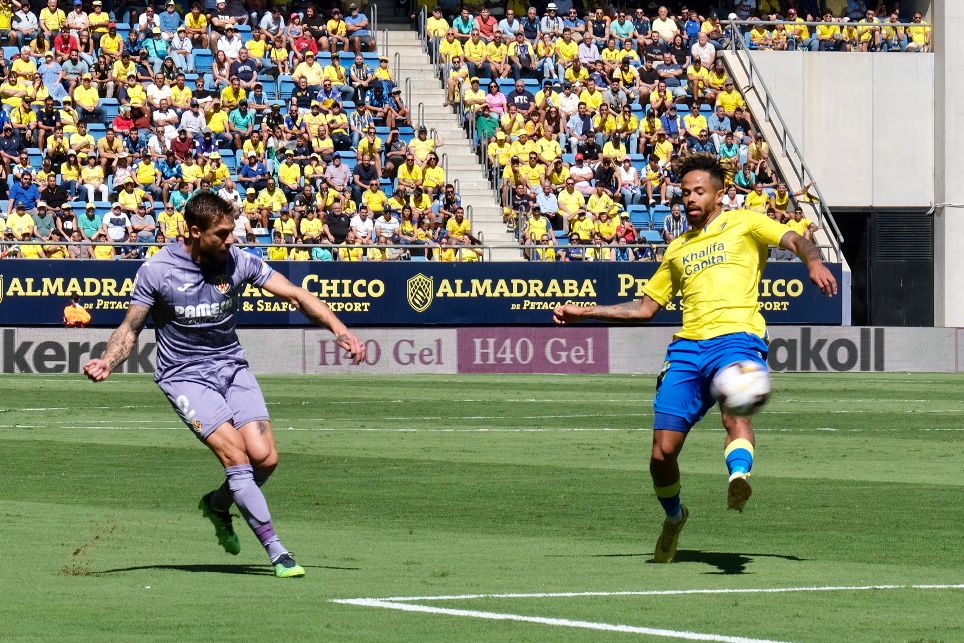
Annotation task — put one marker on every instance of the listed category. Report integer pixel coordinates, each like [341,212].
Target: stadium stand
[112,118]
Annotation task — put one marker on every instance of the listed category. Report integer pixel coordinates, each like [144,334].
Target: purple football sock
[254,507]
[221,498]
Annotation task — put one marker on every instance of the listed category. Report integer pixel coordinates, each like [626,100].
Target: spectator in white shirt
[703,50]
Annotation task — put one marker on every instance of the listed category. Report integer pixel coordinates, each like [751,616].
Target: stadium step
[461,161]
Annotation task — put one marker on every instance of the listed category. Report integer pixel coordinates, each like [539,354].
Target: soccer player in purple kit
[192,292]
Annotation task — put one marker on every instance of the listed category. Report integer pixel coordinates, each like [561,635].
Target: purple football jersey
[193,307]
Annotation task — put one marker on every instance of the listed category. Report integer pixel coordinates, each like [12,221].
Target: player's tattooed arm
[119,345]
[123,339]
[318,312]
[809,253]
[638,310]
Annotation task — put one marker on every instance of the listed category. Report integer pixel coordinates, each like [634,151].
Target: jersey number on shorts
[184,406]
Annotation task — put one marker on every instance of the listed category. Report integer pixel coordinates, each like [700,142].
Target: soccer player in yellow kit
[716,266]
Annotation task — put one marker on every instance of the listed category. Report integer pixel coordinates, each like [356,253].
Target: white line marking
[671,592]
[559,622]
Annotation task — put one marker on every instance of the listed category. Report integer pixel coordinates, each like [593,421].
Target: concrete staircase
[463,165]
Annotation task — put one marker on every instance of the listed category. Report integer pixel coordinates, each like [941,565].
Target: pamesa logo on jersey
[420,290]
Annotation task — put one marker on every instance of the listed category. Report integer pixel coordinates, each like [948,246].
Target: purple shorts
[229,394]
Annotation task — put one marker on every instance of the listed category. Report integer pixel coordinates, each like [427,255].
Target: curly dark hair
[703,163]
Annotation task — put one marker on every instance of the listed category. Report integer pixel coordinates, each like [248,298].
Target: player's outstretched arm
[638,310]
[119,345]
[318,312]
[809,253]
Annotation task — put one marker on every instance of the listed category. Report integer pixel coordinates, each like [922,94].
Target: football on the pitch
[742,388]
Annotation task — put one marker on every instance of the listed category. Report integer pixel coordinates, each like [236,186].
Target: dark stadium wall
[891,257]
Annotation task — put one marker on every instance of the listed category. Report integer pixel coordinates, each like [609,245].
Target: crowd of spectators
[114,116]
[583,120]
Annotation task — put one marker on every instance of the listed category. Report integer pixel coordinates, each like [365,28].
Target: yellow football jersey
[717,269]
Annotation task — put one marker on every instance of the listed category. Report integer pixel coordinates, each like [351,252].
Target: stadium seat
[651,236]
[347,58]
[286,86]
[111,108]
[370,58]
[639,216]
[36,157]
[203,61]
[659,213]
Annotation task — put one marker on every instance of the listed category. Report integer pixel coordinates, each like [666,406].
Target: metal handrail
[408,91]
[803,173]
[384,42]
[423,26]
[398,65]
[373,21]
[486,248]
[420,114]
[445,164]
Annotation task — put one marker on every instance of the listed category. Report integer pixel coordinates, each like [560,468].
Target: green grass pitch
[453,486]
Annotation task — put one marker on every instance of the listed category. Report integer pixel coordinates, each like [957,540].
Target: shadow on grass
[726,563]
[204,568]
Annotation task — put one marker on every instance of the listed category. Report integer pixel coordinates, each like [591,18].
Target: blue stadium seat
[659,213]
[286,86]
[10,52]
[36,157]
[111,108]
[347,58]
[323,57]
[639,216]
[203,60]
[97,130]
[371,58]
[406,130]
[651,236]
[568,157]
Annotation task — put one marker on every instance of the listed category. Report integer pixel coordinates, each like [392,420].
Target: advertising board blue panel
[33,293]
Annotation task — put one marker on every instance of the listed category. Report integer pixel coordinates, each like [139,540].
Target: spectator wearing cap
[216,171]
[157,48]
[116,223]
[357,26]
[90,222]
[148,175]
[143,225]
[335,34]
[289,175]
[254,173]
[181,50]
[312,71]
[396,113]
[193,121]
[521,57]
[551,23]
[169,21]
[11,144]
[110,44]
[231,43]
[220,21]
[241,123]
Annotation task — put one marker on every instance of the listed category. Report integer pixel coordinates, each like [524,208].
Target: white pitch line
[668,592]
[559,622]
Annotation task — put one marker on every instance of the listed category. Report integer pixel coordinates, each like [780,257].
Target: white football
[742,388]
